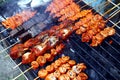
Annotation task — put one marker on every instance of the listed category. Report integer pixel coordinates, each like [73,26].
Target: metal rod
[82,7]
[22,73]
[36,78]
[5,38]
[9,47]
[4,30]
[113,3]
[88,4]
[111,9]
[17,65]
[116,23]
[106,3]
[113,15]
[78,1]
[114,12]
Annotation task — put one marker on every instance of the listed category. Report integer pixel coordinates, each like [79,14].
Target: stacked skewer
[90,25]
[63,69]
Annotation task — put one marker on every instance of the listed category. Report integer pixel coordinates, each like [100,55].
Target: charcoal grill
[103,62]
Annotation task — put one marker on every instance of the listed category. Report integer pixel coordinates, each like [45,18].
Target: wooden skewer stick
[79,1]
[88,4]
[8,47]
[17,65]
[113,15]
[103,5]
[111,9]
[36,78]
[4,30]
[116,24]
[7,56]
[22,73]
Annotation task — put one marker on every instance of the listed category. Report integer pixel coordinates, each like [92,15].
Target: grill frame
[71,47]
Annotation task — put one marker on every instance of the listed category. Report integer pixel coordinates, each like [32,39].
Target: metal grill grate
[102,61]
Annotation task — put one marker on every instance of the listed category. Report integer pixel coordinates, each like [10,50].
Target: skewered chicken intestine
[98,38]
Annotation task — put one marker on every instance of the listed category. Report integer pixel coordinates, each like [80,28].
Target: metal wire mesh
[102,61]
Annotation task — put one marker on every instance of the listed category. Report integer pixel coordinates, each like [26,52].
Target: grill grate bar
[5,49]
[115,41]
[102,56]
[112,47]
[87,62]
[94,59]
[113,3]
[110,54]
[114,12]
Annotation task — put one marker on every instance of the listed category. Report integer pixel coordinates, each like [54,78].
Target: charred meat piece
[50,68]
[34,65]
[41,60]
[50,77]
[99,37]
[28,57]
[17,51]
[64,77]
[18,19]
[42,73]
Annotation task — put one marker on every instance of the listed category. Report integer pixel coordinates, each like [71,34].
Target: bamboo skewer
[83,7]
[22,73]
[31,67]
[36,78]
[3,30]
[9,47]
[116,24]
[17,65]
[77,3]
[111,9]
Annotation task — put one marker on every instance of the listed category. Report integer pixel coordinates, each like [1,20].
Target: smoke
[32,3]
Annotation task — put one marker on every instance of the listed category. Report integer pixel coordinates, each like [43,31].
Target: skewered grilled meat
[57,5]
[80,14]
[71,74]
[69,11]
[97,24]
[90,21]
[78,68]
[17,51]
[34,64]
[99,37]
[18,19]
[28,57]
[64,77]
[42,73]
[41,60]
[67,65]
[71,62]
[39,49]
[59,47]
[50,77]
[48,44]
[48,56]
[87,36]
[62,69]
[82,76]
[57,73]
[50,68]
[31,42]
